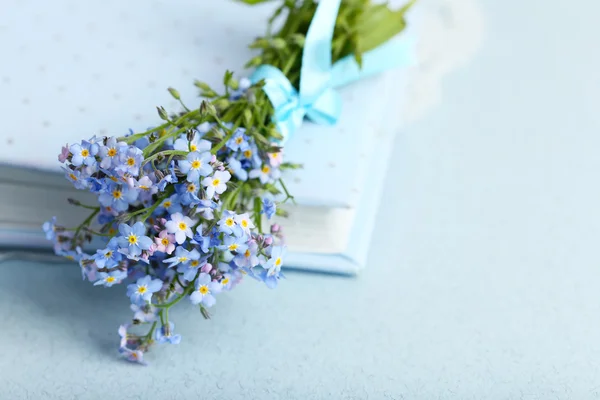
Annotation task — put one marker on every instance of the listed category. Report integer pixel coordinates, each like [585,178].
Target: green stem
[152,328]
[86,222]
[285,190]
[177,299]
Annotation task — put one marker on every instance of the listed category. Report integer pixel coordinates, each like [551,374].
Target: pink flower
[64,153]
[206,268]
[276,158]
[164,242]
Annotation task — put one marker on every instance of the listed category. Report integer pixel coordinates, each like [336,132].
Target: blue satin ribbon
[317,100]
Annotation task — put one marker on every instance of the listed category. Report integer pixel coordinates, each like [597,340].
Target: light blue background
[483,273]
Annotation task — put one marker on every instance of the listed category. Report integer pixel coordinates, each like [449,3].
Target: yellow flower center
[195,263]
[216,182]
[193,147]
[167,204]
[239,140]
[247,253]
[233,247]
[244,223]
[142,289]
[70,258]
[225,281]
[248,153]
[117,194]
[72,176]
[196,164]
[229,222]
[265,169]
[182,226]
[108,254]
[183,259]
[278,261]
[110,279]
[112,152]
[203,289]
[114,179]
[85,153]
[132,239]
[191,188]
[131,161]
[144,187]
[165,241]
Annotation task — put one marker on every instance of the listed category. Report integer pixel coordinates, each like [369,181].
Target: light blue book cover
[103,68]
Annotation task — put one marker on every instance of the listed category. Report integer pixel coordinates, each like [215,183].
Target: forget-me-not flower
[83,153]
[205,289]
[181,226]
[109,256]
[134,239]
[216,183]
[165,334]
[110,278]
[142,291]
[196,165]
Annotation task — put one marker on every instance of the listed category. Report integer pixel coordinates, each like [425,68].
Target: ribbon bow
[317,100]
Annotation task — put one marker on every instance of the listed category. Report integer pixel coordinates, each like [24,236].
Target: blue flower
[197,144]
[190,269]
[205,289]
[228,225]
[196,165]
[110,152]
[169,177]
[83,153]
[239,141]
[49,228]
[130,161]
[142,291]
[110,278]
[202,241]
[268,207]
[109,256]
[134,239]
[181,226]
[245,224]
[265,174]
[273,266]
[235,244]
[182,256]
[118,197]
[249,258]
[188,193]
[216,183]
[206,209]
[165,334]
[170,205]
[144,313]
[235,166]
[250,157]
[75,177]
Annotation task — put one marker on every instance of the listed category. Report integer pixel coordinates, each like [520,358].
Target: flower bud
[162,113]
[174,93]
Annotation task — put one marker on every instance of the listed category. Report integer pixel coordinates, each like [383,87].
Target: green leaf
[257,214]
[379,24]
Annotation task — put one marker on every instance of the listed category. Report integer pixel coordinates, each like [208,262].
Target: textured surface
[483,276]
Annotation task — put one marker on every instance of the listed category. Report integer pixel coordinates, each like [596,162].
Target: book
[85,78]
